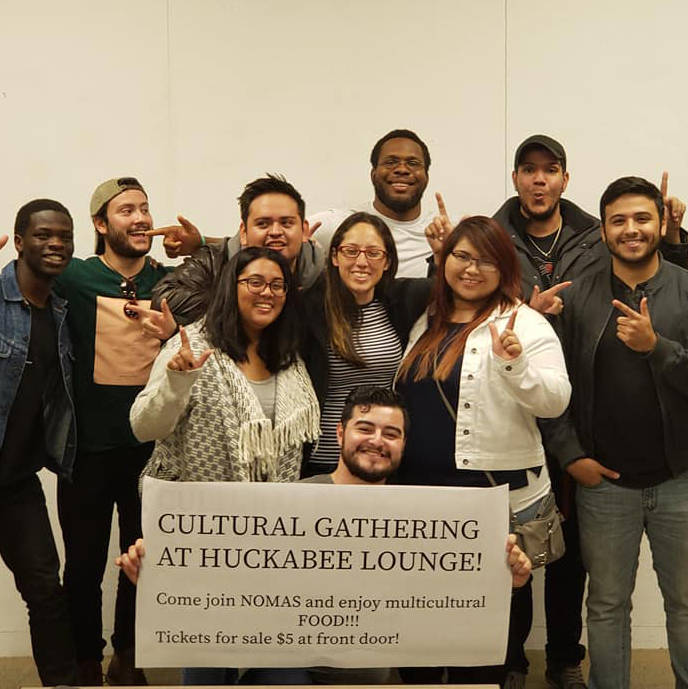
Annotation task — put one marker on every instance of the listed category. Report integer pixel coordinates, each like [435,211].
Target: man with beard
[623,439]
[371,436]
[400,161]
[399,172]
[37,425]
[558,242]
[113,357]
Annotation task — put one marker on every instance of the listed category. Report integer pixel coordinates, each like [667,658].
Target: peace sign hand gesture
[184,359]
[635,329]
[506,346]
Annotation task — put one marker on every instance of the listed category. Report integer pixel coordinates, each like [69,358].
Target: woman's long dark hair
[278,343]
[341,310]
[491,242]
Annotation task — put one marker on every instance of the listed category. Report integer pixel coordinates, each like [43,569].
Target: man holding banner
[372,435]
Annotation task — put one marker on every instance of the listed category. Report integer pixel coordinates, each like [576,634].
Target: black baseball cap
[542,141]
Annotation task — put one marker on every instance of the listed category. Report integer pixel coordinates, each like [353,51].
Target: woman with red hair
[480,367]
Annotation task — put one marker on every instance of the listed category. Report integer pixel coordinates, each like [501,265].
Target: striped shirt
[378,345]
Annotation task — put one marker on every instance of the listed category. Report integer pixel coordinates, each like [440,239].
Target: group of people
[516,346]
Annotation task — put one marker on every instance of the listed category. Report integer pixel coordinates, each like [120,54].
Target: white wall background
[197,98]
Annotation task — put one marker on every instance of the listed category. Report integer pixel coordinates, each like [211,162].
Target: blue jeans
[612,520]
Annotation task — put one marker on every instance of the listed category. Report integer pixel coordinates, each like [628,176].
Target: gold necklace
[547,254]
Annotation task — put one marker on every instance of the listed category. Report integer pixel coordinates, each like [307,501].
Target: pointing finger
[204,357]
[161,231]
[625,309]
[440,204]
[165,308]
[184,337]
[512,320]
[665,184]
[555,289]
[644,310]
[609,473]
[137,308]
[493,333]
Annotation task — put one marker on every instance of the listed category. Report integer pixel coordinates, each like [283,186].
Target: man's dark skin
[44,251]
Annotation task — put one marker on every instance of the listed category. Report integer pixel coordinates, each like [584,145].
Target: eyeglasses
[353,252]
[410,163]
[482,264]
[256,285]
[127,289]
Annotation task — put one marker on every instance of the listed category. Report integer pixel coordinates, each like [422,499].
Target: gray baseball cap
[113,187]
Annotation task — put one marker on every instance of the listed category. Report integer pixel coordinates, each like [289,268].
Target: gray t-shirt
[318,478]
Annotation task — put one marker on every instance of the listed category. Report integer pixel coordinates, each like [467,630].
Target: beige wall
[197,98]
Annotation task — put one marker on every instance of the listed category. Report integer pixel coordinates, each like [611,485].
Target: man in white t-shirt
[400,162]
[399,173]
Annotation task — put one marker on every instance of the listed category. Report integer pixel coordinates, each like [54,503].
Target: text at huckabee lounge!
[231,525]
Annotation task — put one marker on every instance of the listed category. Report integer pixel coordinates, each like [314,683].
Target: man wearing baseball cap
[113,357]
[558,242]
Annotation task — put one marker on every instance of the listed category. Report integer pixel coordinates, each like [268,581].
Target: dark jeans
[492,674]
[101,480]
[564,587]
[28,549]
[565,583]
[520,622]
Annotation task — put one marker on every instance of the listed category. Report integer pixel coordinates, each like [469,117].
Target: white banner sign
[296,575]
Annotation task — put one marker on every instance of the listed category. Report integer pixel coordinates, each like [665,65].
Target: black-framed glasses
[127,289]
[482,264]
[256,285]
[352,252]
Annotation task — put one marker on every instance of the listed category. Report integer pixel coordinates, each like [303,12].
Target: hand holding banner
[289,575]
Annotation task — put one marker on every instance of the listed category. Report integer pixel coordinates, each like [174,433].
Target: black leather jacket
[187,289]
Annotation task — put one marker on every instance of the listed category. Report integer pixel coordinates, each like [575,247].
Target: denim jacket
[59,420]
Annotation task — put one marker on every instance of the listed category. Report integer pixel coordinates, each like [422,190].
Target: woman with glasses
[357,320]
[479,369]
[228,398]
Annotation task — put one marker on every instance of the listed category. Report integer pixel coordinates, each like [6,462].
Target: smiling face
[632,229]
[471,286]
[274,222]
[539,182]
[47,243]
[258,311]
[400,178]
[128,218]
[360,275]
[372,442]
